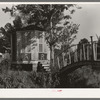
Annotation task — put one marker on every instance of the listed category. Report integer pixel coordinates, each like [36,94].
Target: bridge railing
[83,52]
[79,53]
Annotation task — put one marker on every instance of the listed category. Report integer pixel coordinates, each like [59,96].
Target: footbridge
[82,55]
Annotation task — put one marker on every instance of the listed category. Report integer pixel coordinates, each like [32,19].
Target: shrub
[84,77]
[24,79]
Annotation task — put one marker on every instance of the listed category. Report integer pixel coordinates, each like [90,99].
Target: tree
[5,39]
[48,17]
[6,32]
[66,42]
[83,41]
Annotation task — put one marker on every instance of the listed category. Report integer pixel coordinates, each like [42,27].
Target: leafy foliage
[43,16]
[5,38]
[82,41]
[84,77]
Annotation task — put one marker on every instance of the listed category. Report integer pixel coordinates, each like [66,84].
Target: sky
[88,17]
[5,17]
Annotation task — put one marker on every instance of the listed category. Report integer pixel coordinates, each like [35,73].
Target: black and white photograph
[49,45]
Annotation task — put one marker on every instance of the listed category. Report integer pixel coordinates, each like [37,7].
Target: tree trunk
[14,47]
[51,47]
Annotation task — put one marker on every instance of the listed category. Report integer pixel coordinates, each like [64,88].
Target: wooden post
[84,51]
[94,51]
[63,58]
[92,55]
[69,58]
[58,62]
[65,63]
[80,54]
[87,52]
[76,56]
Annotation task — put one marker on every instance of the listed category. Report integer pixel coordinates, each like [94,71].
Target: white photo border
[50,93]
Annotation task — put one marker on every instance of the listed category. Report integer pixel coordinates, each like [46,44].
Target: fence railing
[82,52]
